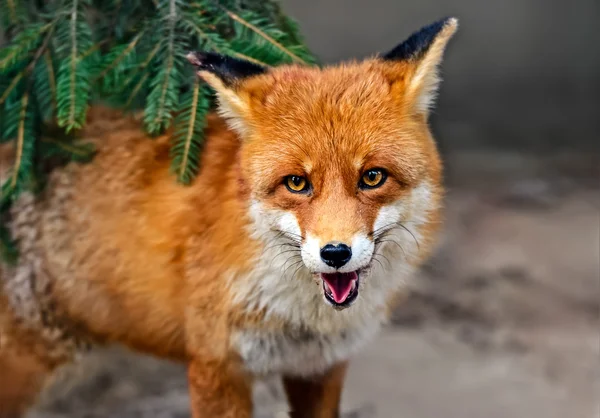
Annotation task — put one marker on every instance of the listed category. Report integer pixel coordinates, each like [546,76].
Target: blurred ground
[504,322]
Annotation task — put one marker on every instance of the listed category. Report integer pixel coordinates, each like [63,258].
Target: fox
[320,194]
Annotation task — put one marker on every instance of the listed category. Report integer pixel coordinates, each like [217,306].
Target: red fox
[319,193]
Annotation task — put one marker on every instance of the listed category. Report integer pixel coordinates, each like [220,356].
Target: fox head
[339,162]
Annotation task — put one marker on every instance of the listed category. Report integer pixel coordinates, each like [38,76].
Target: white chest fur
[299,352]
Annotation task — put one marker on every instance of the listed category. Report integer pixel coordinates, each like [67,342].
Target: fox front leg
[219,389]
[316,397]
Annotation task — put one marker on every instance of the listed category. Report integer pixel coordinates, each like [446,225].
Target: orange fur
[132,257]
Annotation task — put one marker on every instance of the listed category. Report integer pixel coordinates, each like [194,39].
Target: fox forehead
[333,124]
[341,99]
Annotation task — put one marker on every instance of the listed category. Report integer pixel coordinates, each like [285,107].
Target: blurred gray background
[519,74]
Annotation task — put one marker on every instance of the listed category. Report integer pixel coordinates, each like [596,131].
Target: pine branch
[58,56]
[263,35]
[189,132]
[73,86]
[212,41]
[163,97]
[24,43]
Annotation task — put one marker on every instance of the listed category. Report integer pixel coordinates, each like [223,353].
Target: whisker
[292,236]
[411,234]
[376,259]
[292,265]
[386,259]
[283,252]
[394,242]
[296,271]
[383,229]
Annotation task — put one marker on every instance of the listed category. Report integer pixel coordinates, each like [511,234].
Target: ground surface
[504,322]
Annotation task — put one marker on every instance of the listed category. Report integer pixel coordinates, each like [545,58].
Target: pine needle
[190,132]
[51,77]
[12,11]
[142,66]
[120,57]
[249,58]
[11,86]
[136,89]
[20,142]
[68,148]
[73,62]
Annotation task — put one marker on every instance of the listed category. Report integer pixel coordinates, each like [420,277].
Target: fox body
[319,194]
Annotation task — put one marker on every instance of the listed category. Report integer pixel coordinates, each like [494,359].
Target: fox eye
[372,179]
[296,184]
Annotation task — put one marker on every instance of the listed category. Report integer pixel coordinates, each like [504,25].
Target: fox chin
[319,194]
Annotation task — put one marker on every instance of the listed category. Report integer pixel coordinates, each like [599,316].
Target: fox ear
[423,52]
[225,75]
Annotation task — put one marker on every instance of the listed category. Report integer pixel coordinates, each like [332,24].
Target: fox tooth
[327,288]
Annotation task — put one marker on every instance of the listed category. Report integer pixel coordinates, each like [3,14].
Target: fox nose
[336,255]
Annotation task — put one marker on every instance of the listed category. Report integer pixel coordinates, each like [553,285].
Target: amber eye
[296,184]
[373,178]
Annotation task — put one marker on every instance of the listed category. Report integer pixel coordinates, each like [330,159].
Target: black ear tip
[442,23]
[226,68]
[419,42]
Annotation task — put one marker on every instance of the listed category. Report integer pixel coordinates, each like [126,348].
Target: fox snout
[337,256]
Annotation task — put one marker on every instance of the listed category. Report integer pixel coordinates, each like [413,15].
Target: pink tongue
[340,284]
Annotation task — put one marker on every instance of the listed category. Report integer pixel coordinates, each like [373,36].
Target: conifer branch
[28,69]
[24,43]
[262,34]
[212,45]
[171,46]
[129,53]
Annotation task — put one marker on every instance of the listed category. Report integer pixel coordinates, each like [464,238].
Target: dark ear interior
[418,43]
[228,69]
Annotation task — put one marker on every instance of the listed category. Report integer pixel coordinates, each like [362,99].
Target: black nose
[336,255]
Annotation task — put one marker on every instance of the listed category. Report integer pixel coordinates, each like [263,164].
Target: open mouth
[341,289]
